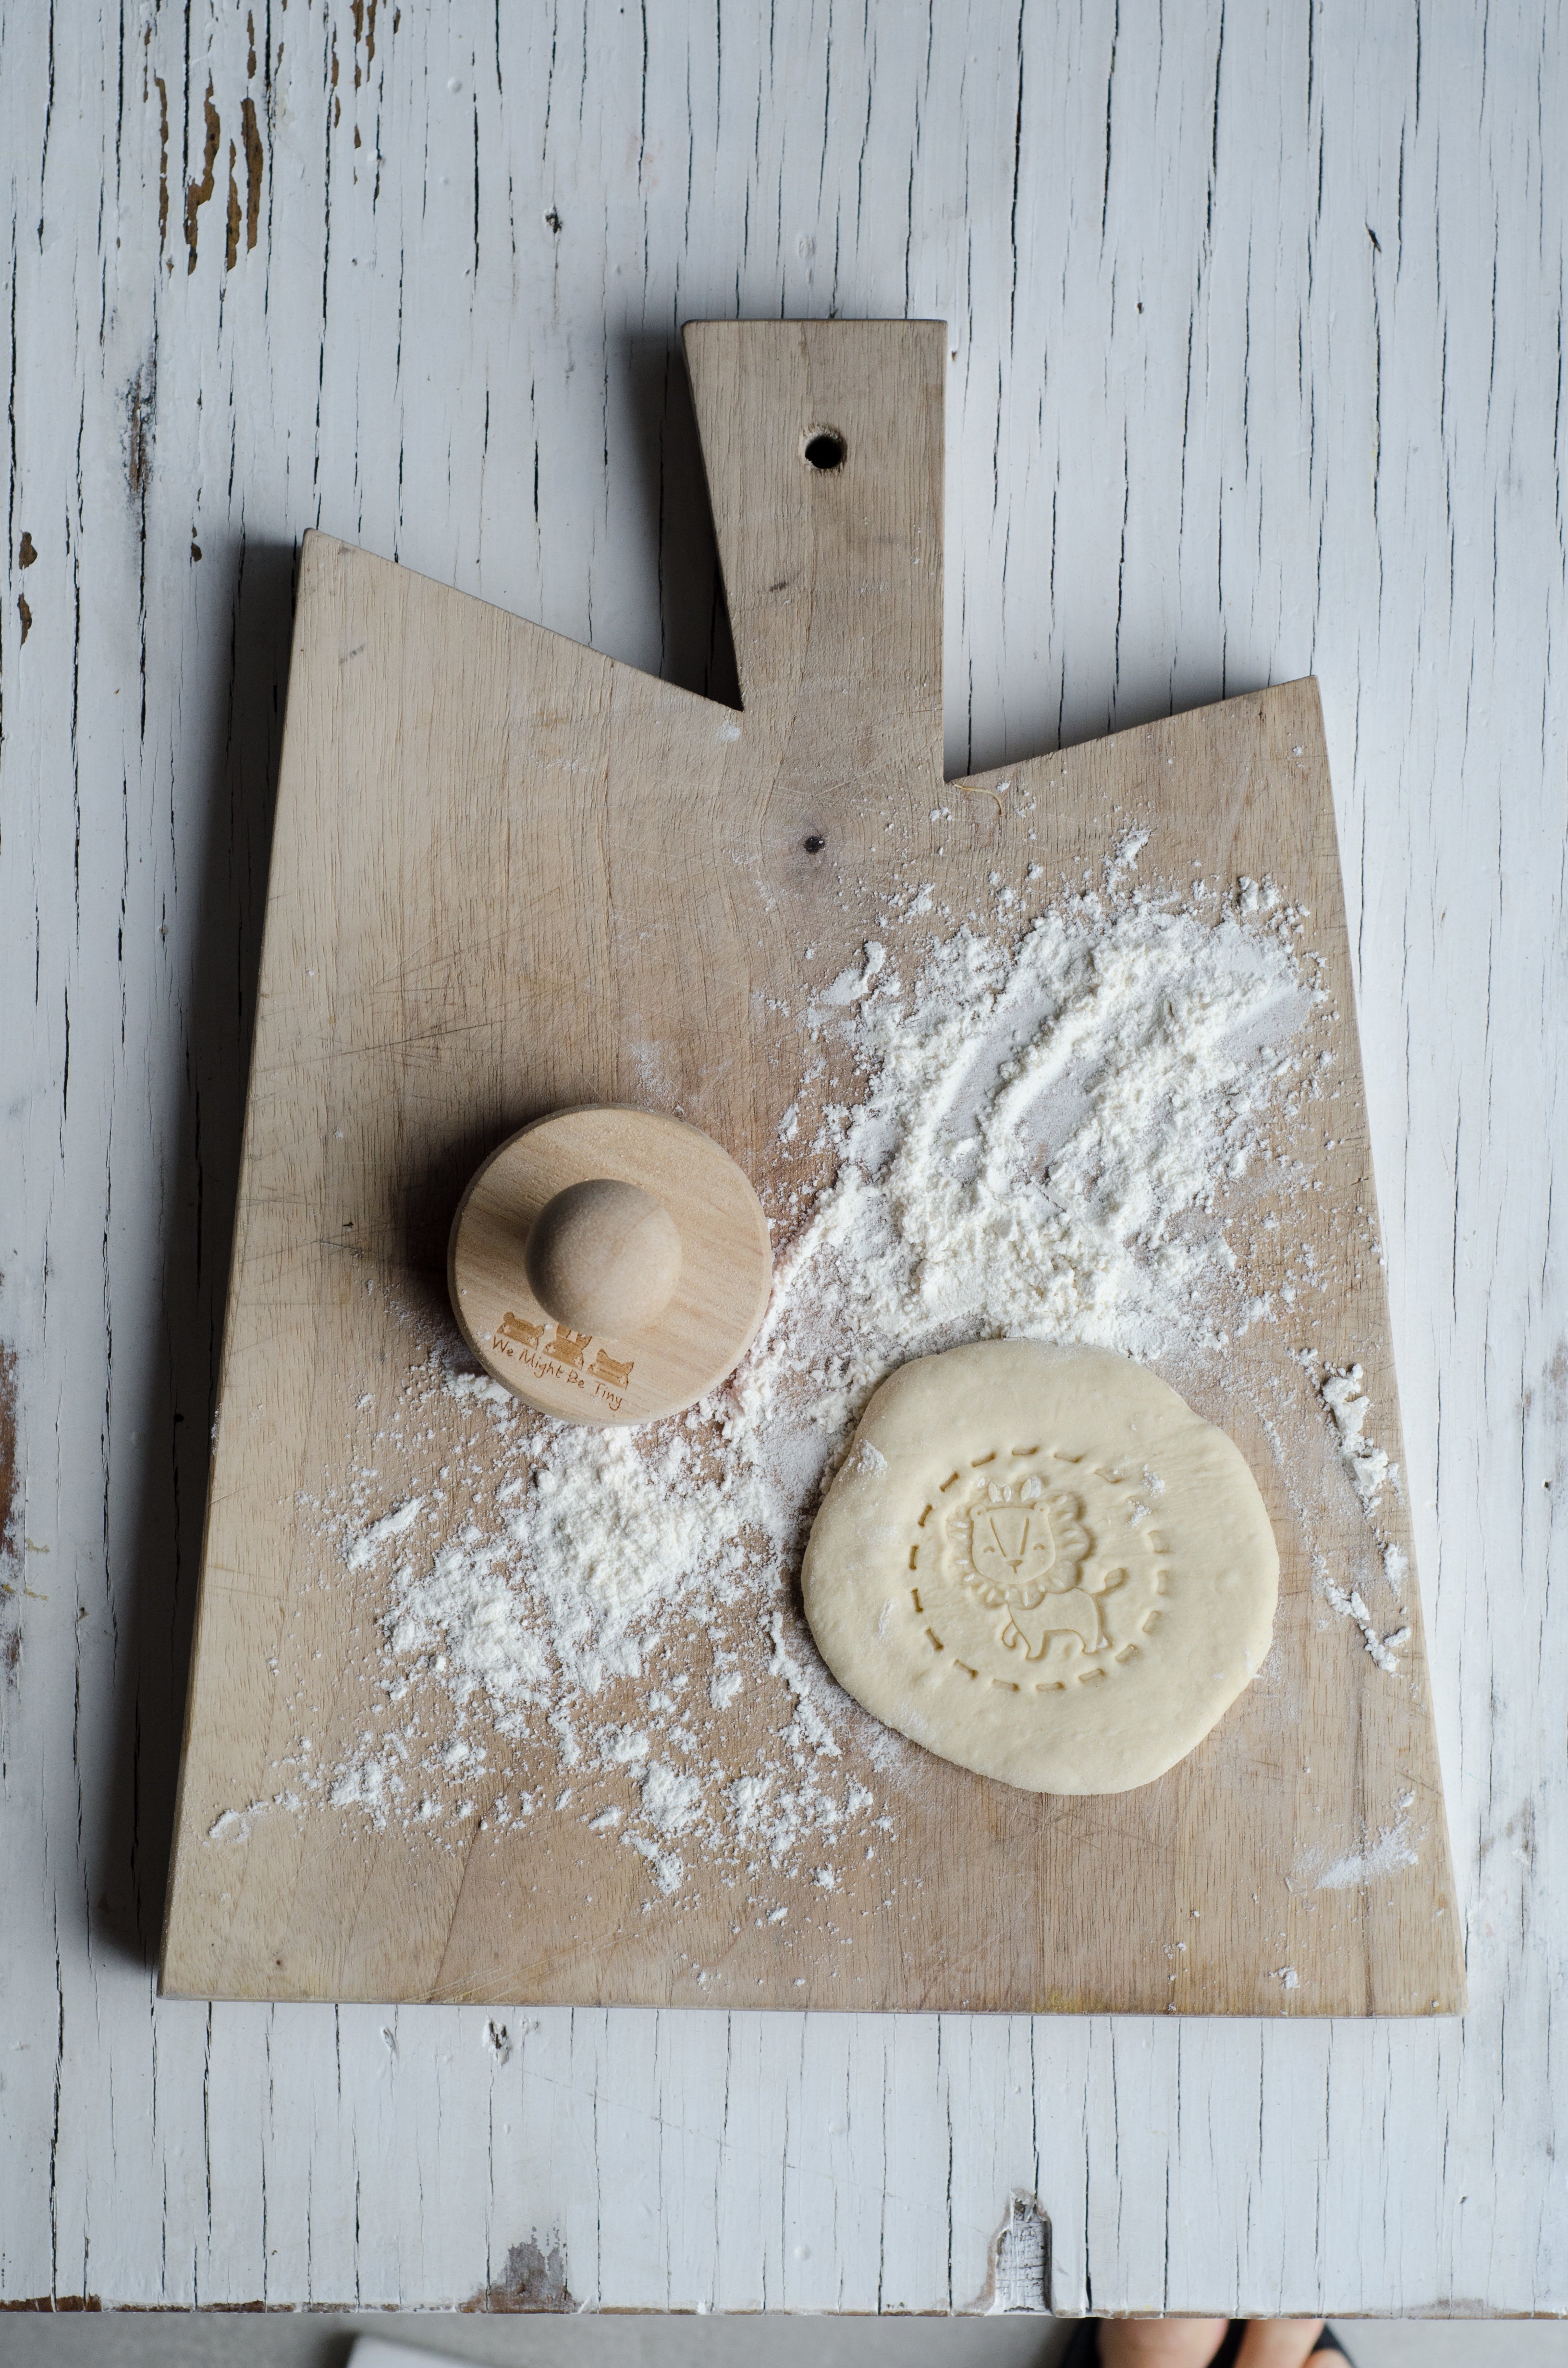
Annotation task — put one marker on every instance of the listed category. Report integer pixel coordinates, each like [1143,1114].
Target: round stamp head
[609,1264]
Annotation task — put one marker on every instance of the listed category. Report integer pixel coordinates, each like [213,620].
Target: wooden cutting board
[510,875]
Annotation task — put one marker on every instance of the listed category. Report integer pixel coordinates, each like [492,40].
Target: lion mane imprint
[1022,1548]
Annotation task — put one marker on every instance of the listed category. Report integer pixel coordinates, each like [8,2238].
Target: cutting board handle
[824,447]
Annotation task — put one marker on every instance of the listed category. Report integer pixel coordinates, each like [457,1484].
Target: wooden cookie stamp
[609,1264]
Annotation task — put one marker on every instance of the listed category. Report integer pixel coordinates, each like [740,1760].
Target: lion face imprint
[1021,1548]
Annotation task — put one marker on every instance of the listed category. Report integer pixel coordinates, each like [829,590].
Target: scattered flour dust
[1347,1402]
[1371,1472]
[1382,1853]
[1046,1117]
[364,1549]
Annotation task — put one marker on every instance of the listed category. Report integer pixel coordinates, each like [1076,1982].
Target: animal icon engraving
[566,1346]
[516,1328]
[1021,1548]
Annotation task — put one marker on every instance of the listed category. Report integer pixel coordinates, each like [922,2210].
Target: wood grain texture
[1253,337]
[654,870]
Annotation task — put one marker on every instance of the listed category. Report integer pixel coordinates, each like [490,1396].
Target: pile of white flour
[1045,1119]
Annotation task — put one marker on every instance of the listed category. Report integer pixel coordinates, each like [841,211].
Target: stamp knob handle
[604,1256]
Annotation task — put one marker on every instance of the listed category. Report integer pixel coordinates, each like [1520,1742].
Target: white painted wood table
[1256,345]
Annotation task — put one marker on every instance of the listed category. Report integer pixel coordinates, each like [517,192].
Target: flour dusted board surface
[509,876]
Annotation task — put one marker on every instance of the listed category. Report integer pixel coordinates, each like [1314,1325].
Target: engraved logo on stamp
[1033,1572]
[556,1352]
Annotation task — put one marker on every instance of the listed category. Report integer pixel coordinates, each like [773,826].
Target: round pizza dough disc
[1039,1562]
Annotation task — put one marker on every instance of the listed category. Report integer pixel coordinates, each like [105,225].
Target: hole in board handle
[822,449]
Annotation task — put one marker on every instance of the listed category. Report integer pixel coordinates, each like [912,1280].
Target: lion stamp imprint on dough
[1019,1543]
[1071,1613]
